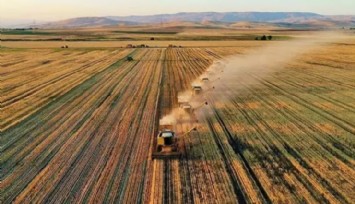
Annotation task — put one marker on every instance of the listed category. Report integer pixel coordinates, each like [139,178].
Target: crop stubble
[77,126]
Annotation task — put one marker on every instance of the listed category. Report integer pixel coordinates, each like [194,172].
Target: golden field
[78,124]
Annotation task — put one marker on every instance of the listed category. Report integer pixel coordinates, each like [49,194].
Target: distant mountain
[282,19]
[221,17]
[86,22]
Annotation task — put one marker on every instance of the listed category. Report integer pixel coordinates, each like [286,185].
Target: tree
[263,38]
[269,37]
[256,38]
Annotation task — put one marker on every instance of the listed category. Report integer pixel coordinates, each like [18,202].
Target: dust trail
[175,115]
[224,77]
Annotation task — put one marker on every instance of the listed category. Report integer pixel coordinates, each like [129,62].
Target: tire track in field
[307,127]
[340,104]
[238,189]
[283,142]
[237,149]
[281,159]
[331,117]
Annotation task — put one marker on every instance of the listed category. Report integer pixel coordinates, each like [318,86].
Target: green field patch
[26,32]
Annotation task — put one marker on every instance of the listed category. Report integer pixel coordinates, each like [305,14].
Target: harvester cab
[166,146]
[196,89]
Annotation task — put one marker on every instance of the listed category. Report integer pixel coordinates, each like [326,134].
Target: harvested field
[78,126]
[286,138]
[116,44]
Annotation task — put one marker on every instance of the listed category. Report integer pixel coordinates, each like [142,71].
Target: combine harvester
[186,107]
[196,89]
[166,145]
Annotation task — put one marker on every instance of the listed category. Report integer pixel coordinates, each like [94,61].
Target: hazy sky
[43,10]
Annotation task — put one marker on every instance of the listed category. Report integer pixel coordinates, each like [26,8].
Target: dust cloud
[223,79]
[177,114]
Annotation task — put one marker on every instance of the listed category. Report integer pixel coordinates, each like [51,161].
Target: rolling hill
[282,19]
[86,22]
[221,17]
